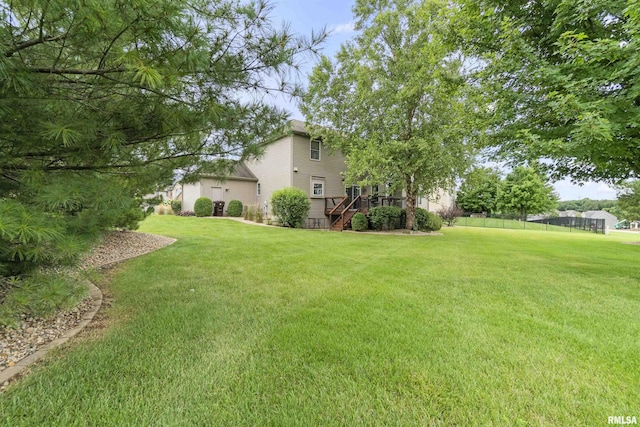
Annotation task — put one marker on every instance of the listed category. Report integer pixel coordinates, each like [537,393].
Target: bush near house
[384,217]
[235,208]
[359,222]
[291,205]
[203,206]
[130,218]
[450,215]
[176,205]
[427,221]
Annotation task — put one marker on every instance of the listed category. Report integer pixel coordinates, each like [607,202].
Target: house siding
[274,170]
[330,168]
[232,189]
[443,199]
[190,192]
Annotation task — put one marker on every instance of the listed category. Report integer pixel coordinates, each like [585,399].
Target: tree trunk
[411,206]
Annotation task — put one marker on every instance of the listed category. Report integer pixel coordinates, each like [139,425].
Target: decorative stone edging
[14,371]
[11,372]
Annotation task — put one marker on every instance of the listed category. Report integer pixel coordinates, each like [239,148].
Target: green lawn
[243,325]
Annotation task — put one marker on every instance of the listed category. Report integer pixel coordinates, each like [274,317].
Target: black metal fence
[513,222]
[594,225]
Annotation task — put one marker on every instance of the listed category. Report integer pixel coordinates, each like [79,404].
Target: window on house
[259,189]
[317,187]
[315,150]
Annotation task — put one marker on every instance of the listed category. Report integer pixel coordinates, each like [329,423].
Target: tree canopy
[629,200]
[524,191]
[392,100]
[479,190]
[562,82]
[102,101]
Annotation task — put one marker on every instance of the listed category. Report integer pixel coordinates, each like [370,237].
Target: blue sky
[336,16]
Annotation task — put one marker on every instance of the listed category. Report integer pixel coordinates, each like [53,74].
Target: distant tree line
[586,204]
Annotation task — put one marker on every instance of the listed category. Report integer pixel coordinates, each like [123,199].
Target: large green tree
[479,190]
[392,100]
[562,81]
[629,200]
[102,100]
[525,191]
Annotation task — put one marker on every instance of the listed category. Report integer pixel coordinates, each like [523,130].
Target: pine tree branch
[62,71]
[33,42]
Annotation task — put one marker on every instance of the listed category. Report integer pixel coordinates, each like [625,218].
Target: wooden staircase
[340,215]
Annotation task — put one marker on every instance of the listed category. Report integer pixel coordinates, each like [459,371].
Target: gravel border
[34,338]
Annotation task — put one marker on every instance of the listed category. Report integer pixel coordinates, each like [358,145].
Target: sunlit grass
[244,325]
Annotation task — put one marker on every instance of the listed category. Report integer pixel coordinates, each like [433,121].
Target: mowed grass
[243,325]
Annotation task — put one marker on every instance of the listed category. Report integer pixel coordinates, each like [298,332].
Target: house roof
[243,172]
[297,127]
[599,215]
[240,173]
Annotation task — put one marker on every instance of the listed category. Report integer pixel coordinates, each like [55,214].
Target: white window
[317,187]
[315,150]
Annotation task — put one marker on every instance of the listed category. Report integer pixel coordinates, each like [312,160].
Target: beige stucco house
[294,160]
[239,185]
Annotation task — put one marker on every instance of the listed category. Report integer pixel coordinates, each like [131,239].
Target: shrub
[129,219]
[235,208]
[176,205]
[203,207]
[291,205]
[259,216]
[427,221]
[434,223]
[150,210]
[359,222]
[450,215]
[250,213]
[421,219]
[384,217]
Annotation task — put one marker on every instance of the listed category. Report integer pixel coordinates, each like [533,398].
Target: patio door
[353,192]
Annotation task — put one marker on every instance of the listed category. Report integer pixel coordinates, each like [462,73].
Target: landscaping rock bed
[32,333]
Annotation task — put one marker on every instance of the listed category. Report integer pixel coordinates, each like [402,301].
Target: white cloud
[591,190]
[342,28]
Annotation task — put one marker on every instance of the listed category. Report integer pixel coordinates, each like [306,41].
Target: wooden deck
[340,209]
